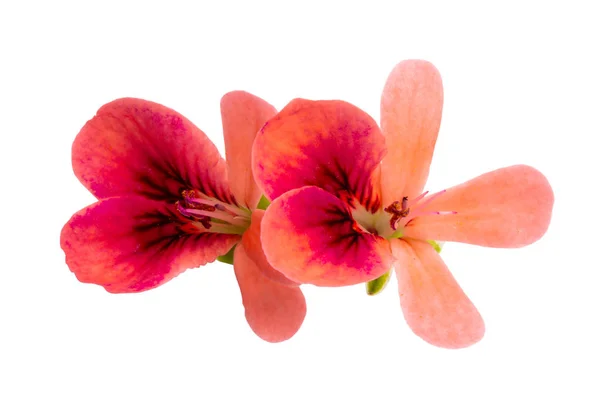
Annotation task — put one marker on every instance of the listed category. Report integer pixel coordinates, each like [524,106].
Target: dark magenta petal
[329,144]
[132,244]
[137,147]
[309,235]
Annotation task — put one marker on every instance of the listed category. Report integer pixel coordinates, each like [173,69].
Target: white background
[521,86]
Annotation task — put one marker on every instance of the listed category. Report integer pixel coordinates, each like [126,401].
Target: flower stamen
[211,214]
[402,213]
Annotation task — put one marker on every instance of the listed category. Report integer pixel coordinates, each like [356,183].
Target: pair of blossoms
[346,204]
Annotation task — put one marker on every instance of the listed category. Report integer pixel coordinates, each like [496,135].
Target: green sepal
[263,204]
[397,234]
[375,286]
[437,245]
[227,258]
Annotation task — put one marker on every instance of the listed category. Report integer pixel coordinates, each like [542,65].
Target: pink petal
[411,111]
[434,305]
[132,244]
[509,207]
[253,247]
[310,236]
[274,311]
[243,115]
[330,144]
[137,147]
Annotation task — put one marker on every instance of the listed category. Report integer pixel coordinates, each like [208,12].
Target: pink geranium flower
[168,202]
[348,202]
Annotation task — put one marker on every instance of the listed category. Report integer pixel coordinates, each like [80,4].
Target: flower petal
[274,311]
[243,115]
[330,144]
[434,305]
[132,244]
[411,111]
[142,148]
[310,236]
[509,207]
[253,247]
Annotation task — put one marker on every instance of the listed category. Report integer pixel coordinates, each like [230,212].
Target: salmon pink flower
[348,202]
[168,202]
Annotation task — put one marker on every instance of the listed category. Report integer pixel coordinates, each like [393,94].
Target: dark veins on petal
[338,183]
[162,164]
[347,237]
[163,232]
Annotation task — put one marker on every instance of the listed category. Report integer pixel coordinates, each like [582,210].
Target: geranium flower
[348,202]
[168,202]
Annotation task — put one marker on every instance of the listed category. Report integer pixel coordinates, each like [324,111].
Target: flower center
[403,212]
[211,215]
[390,222]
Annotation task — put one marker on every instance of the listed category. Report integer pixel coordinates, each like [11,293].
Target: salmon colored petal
[434,305]
[137,147]
[274,311]
[132,244]
[330,144]
[310,236]
[243,115]
[509,207]
[411,111]
[253,247]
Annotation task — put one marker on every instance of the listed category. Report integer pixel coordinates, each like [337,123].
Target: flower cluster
[317,193]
